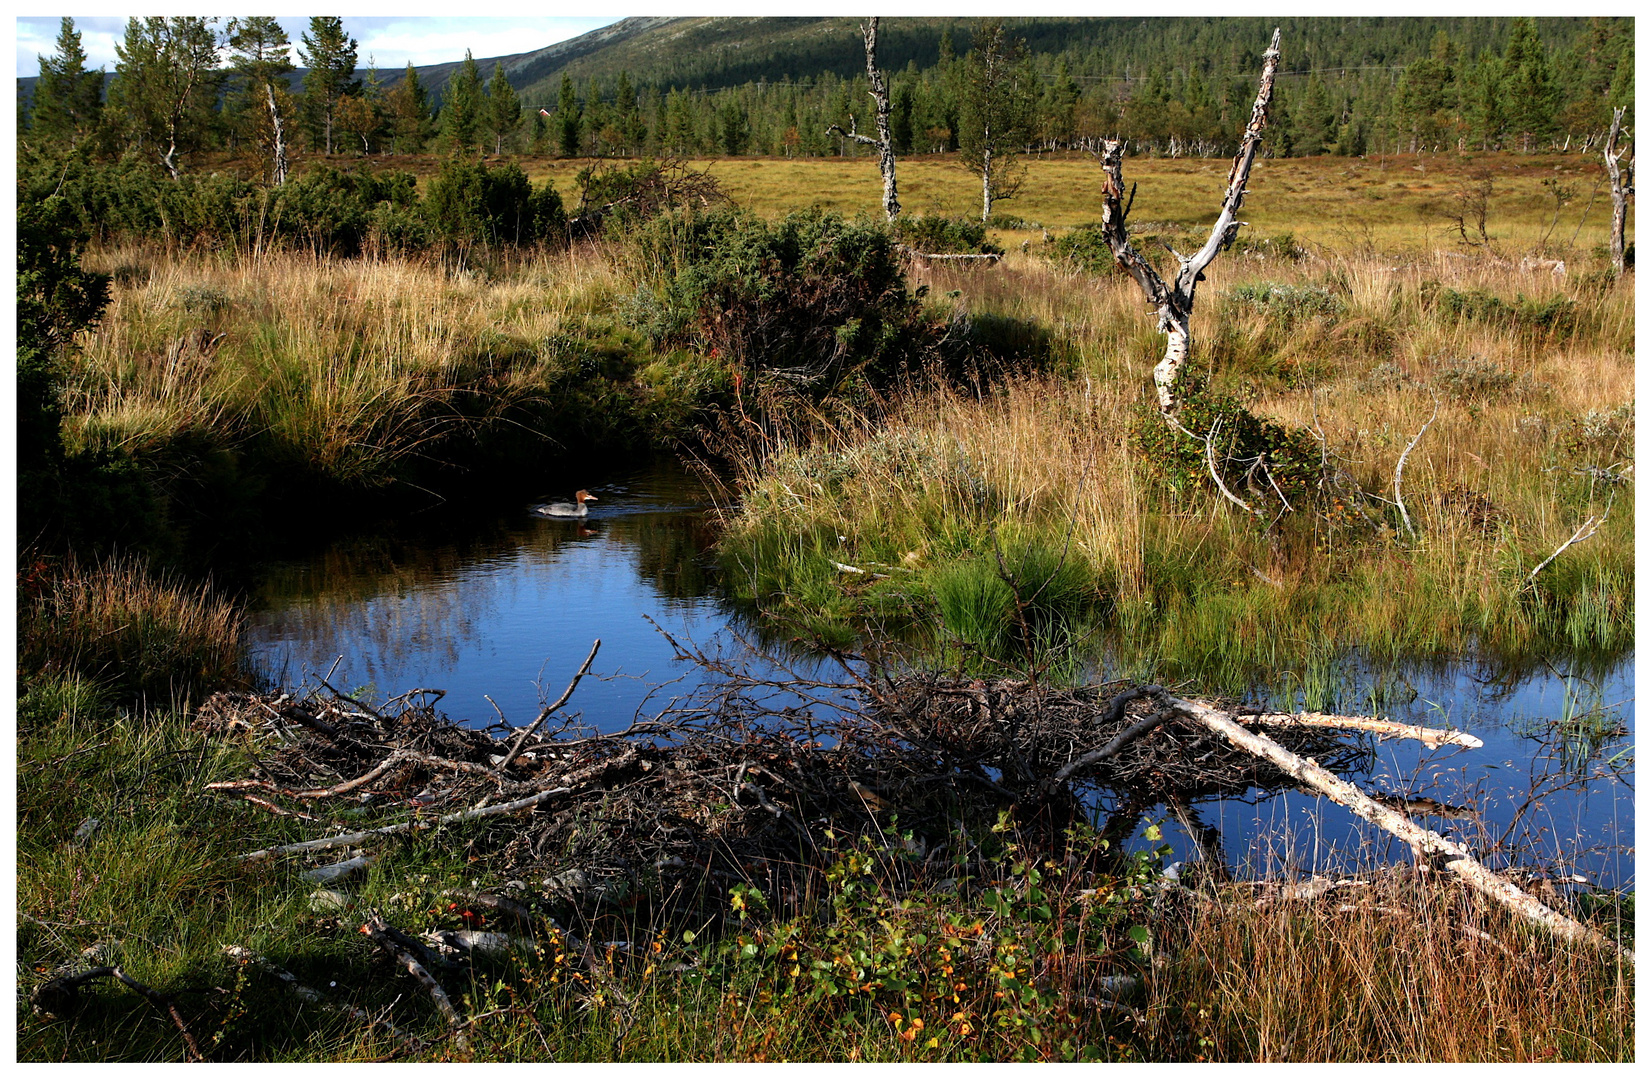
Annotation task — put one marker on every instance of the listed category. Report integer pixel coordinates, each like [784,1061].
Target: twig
[516,747]
[1592,524]
[1399,469]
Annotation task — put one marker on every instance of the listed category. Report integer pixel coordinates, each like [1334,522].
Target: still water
[506,606]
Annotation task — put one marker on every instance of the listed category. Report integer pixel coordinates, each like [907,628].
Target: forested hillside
[750,86]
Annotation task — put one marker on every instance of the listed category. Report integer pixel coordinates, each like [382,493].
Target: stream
[499,609]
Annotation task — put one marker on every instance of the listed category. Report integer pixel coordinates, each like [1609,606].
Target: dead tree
[279,137]
[1623,186]
[880,95]
[1174,303]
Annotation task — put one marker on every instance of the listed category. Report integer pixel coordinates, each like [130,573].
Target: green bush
[1557,314]
[1241,444]
[1285,304]
[814,296]
[468,203]
[936,234]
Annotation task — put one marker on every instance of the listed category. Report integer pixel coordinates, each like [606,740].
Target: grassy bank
[1534,425]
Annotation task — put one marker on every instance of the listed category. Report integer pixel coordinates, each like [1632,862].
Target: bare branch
[516,747]
[1590,527]
[1399,469]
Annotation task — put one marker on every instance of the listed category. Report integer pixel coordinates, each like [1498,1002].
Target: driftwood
[1456,858]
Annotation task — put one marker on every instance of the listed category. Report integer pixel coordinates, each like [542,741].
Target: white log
[1433,738]
[1457,858]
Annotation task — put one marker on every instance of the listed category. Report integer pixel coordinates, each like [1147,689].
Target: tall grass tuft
[134,632]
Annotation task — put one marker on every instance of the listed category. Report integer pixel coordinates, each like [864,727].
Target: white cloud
[391,41]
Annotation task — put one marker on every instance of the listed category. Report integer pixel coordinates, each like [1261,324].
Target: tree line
[189,84]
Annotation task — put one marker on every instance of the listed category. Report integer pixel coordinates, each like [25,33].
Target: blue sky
[390,40]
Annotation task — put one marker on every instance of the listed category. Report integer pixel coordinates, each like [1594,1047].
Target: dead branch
[1457,858]
[1399,468]
[516,747]
[1590,527]
[397,945]
[1623,187]
[351,839]
[1433,738]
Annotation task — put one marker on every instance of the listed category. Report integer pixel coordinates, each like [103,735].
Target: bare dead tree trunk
[986,181]
[280,151]
[880,96]
[1623,186]
[1174,304]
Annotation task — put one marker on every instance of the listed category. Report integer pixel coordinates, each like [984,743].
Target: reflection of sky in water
[503,620]
[513,613]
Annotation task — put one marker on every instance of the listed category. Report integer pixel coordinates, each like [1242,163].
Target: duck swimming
[575,509]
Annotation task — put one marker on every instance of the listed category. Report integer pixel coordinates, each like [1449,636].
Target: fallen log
[1433,738]
[1457,858]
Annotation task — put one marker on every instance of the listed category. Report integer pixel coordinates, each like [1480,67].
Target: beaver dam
[756,781]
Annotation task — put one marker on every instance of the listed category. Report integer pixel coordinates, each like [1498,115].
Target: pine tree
[1528,86]
[67,98]
[567,119]
[261,101]
[1315,120]
[995,111]
[462,102]
[330,55]
[166,83]
[409,107]
[504,109]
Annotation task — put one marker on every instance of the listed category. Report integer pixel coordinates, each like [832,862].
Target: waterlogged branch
[1399,468]
[1173,303]
[1457,858]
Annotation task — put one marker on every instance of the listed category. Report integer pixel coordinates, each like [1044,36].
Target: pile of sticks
[756,776]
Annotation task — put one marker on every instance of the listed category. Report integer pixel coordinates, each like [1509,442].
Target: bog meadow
[1133,564]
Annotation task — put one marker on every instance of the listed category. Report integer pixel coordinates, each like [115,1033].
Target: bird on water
[575,509]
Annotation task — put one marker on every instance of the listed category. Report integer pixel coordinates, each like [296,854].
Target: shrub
[1286,304]
[936,234]
[1242,442]
[469,203]
[1554,315]
[815,296]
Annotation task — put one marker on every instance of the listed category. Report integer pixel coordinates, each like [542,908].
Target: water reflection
[507,607]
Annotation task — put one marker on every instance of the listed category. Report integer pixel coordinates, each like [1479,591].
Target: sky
[390,40]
